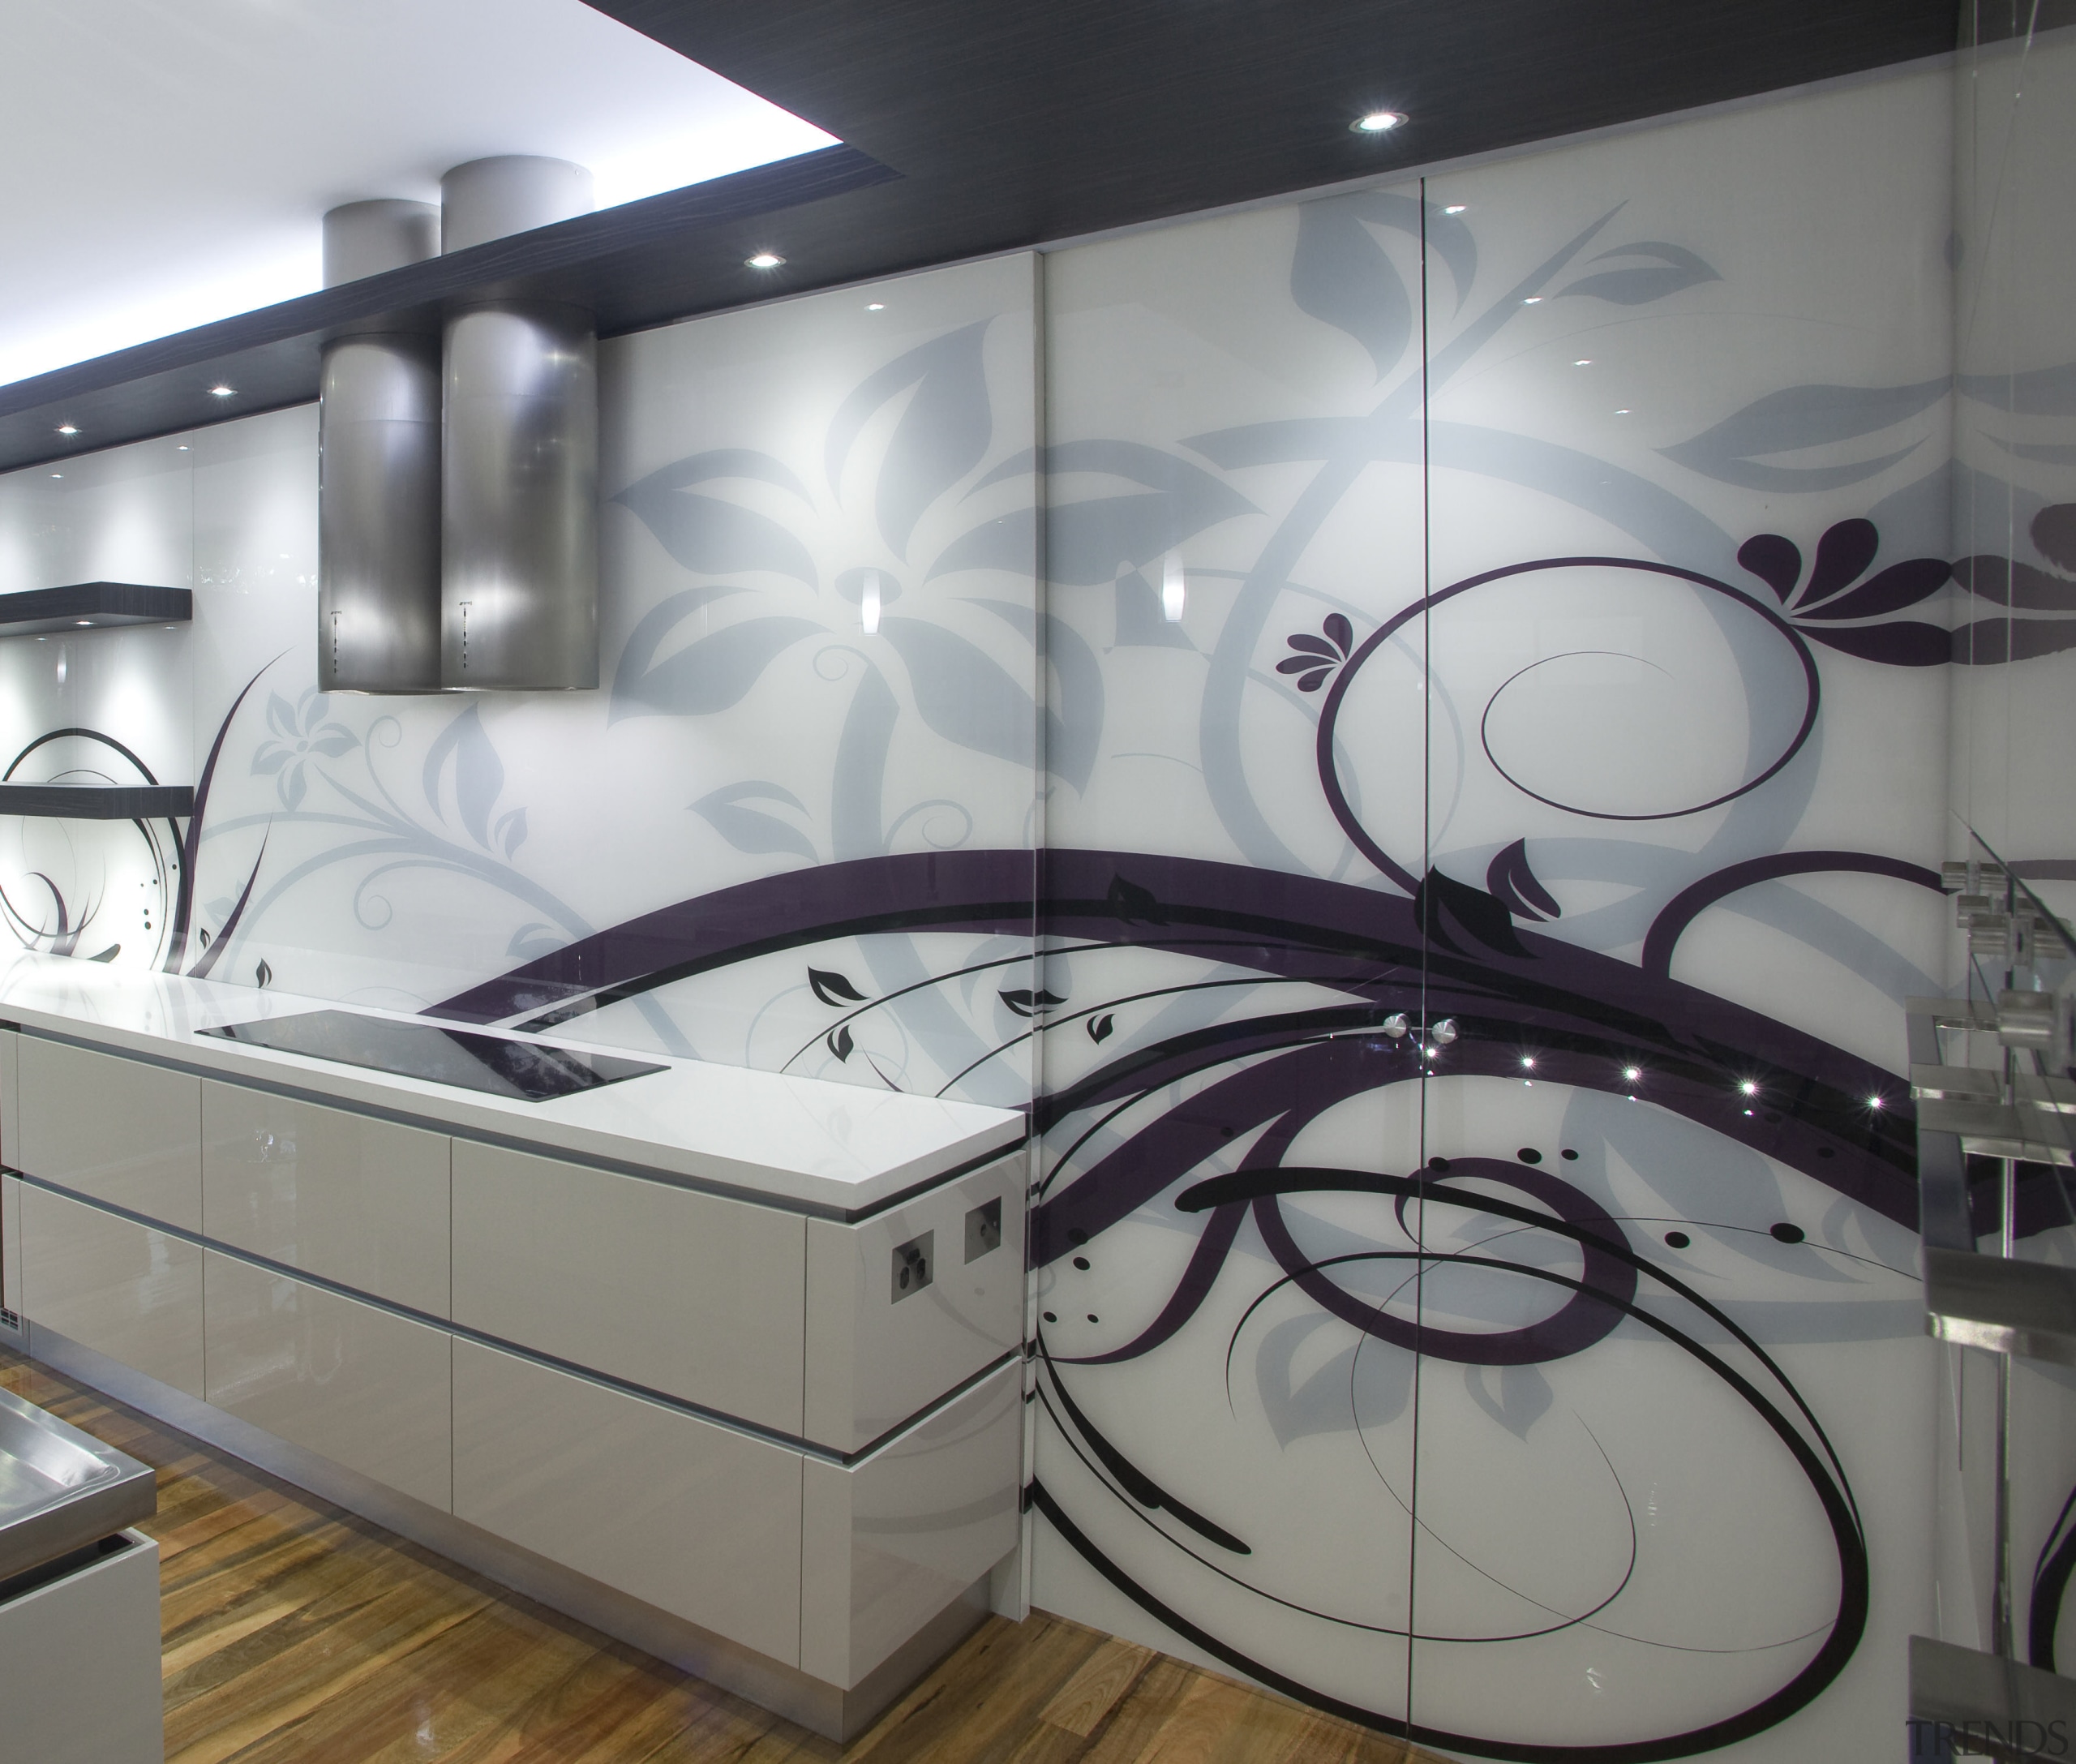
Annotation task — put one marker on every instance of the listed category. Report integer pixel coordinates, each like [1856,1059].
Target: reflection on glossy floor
[296,1631]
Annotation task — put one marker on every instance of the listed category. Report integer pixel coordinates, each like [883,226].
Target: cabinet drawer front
[10,1097]
[116,1286]
[11,1244]
[353,1383]
[358,1200]
[113,1129]
[887,1542]
[877,1354]
[689,1294]
[696,1519]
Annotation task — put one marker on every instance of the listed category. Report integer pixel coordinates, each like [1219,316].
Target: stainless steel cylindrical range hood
[519,575]
[378,503]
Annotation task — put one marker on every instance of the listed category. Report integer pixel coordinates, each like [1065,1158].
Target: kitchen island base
[835,1711]
[80,1661]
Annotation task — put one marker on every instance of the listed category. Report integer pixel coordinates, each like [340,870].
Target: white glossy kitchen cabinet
[358,1384]
[696,1519]
[80,1676]
[889,1542]
[114,1130]
[345,1196]
[120,1288]
[11,1253]
[10,1095]
[911,1303]
[689,1294]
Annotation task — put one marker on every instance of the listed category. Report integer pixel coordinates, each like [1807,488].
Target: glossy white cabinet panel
[79,1665]
[880,1351]
[355,1383]
[10,1095]
[355,1200]
[114,1285]
[112,1129]
[687,1294]
[11,1243]
[10,1254]
[698,1520]
[888,1542]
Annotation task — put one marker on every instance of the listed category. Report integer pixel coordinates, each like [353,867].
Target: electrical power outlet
[983,1230]
[915,1265]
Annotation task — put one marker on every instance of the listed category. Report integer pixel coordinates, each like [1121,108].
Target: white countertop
[839,1148]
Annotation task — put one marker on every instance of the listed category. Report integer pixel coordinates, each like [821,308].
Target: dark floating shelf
[99,802]
[638,264]
[92,605]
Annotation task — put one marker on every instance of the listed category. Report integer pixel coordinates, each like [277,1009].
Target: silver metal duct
[378,501]
[519,588]
[490,198]
[364,238]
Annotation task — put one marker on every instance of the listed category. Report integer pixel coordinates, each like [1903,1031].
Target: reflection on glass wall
[1995,1072]
[1481,1197]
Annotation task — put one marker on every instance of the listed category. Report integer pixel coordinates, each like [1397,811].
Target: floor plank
[297,1634]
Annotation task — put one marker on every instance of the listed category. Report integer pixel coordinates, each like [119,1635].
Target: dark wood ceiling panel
[977,126]
[630,266]
[1021,123]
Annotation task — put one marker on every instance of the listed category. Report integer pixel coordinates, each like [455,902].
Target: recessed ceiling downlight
[68,428]
[763,260]
[222,391]
[1377,122]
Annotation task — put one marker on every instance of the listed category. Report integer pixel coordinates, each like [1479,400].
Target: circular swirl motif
[1331,759]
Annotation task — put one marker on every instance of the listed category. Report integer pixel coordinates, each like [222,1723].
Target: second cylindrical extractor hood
[519,570]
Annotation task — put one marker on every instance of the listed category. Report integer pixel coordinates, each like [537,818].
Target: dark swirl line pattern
[166,855]
[1598,1024]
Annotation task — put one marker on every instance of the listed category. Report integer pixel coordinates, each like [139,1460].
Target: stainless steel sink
[62,1490]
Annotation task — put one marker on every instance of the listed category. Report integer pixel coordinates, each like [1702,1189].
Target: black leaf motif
[1899,586]
[1340,632]
[2012,584]
[1297,664]
[1311,682]
[263,975]
[1901,643]
[1100,1028]
[831,987]
[1442,905]
[1133,904]
[840,1043]
[2054,534]
[1844,551]
[1516,887]
[1990,640]
[1313,646]
[1026,1004]
[1775,560]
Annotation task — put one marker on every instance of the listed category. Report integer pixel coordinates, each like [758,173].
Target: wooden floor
[296,1631]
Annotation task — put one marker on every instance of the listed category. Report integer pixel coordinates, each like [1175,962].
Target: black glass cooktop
[529,1071]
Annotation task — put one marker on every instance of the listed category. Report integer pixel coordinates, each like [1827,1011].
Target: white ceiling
[166,162]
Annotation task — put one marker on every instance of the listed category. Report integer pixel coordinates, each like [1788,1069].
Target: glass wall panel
[1225,1242]
[1687,512]
[2006,1437]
